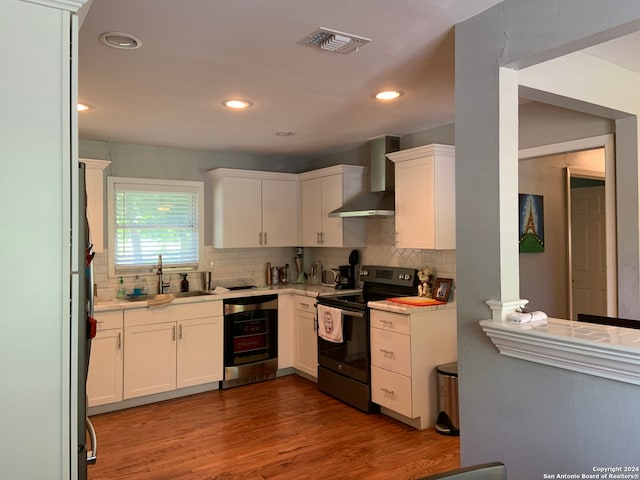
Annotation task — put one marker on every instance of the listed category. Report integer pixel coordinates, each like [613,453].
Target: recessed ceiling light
[388,95]
[284,134]
[122,40]
[83,107]
[237,104]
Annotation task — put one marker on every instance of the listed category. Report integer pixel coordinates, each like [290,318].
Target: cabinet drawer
[391,351]
[391,390]
[395,322]
[109,320]
[305,304]
[173,312]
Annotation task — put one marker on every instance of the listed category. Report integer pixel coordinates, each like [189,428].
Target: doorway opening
[548,280]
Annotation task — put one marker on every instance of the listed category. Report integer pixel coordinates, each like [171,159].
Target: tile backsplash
[249,264]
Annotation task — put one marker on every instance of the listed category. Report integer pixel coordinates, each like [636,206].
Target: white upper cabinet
[254,209]
[94,174]
[425,197]
[323,191]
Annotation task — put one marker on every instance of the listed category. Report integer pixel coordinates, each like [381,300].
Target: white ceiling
[196,53]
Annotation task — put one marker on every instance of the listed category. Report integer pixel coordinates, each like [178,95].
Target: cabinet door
[311,199]
[280,213]
[199,356]
[150,351]
[331,199]
[306,357]
[241,212]
[104,382]
[415,222]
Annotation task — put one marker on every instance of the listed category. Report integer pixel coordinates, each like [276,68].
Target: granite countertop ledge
[600,350]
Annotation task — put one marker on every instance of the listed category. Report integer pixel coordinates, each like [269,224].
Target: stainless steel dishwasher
[250,340]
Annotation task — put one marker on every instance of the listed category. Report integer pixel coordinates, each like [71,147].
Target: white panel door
[588,251]
[199,352]
[150,352]
[242,213]
[306,343]
[311,218]
[104,382]
[332,197]
[280,213]
[415,222]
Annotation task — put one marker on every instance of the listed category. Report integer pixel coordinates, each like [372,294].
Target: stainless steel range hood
[379,202]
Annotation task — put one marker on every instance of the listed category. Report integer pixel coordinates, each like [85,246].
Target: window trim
[167,185]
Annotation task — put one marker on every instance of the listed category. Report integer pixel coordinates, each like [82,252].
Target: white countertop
[407,309]
[106,304]
[601,350]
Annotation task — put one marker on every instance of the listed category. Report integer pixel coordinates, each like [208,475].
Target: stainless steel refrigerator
[86,326]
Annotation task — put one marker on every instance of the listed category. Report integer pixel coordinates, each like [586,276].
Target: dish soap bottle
[184,284]
[121,292]
[137,288]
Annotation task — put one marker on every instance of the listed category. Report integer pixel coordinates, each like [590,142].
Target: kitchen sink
[165,296]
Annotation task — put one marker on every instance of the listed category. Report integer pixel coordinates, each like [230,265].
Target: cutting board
[416,301]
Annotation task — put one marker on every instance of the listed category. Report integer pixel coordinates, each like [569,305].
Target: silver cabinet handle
[386,352]
[259,238]
[265,238]
[387,391]
[119,340]
[387,322]
[180,331]
[173,333]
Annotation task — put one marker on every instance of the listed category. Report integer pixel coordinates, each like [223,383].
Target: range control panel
[388,275]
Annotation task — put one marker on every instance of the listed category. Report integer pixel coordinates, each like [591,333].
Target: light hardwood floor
[282,429]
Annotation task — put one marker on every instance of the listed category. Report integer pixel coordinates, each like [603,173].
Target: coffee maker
[347,277]
[347,273]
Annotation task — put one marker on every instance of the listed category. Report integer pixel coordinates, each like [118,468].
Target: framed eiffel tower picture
[531,223]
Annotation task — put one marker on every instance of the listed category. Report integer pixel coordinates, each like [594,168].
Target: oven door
[350,358]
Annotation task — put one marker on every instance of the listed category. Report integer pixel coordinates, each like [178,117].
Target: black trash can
[448,422]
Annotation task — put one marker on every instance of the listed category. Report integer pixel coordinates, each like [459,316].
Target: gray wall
[536,419]
[147,161]
[132,160]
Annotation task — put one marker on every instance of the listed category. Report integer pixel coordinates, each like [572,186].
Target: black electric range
[344,366]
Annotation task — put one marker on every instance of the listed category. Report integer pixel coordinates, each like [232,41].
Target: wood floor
[282,429]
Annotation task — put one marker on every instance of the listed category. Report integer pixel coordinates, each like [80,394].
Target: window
[151,217]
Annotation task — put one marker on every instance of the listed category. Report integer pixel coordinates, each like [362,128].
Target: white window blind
[152,217]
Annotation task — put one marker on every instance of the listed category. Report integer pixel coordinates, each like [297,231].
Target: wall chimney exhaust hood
[379,202]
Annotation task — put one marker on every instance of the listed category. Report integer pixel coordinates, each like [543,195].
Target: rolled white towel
[518,317]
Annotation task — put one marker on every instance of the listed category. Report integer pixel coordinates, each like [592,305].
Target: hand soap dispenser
[184,284]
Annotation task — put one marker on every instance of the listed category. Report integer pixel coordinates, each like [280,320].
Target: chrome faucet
[161,283]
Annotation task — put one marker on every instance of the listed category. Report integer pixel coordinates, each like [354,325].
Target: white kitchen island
[407,344]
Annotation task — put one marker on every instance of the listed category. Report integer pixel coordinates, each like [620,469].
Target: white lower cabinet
[306,332]
[150,351]
[405,351]
[198,359]
[172,347]
[104,381]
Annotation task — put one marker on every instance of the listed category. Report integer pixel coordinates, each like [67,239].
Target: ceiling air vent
[334,41]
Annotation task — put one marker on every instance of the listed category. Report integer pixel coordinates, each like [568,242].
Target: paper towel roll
[518,317]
